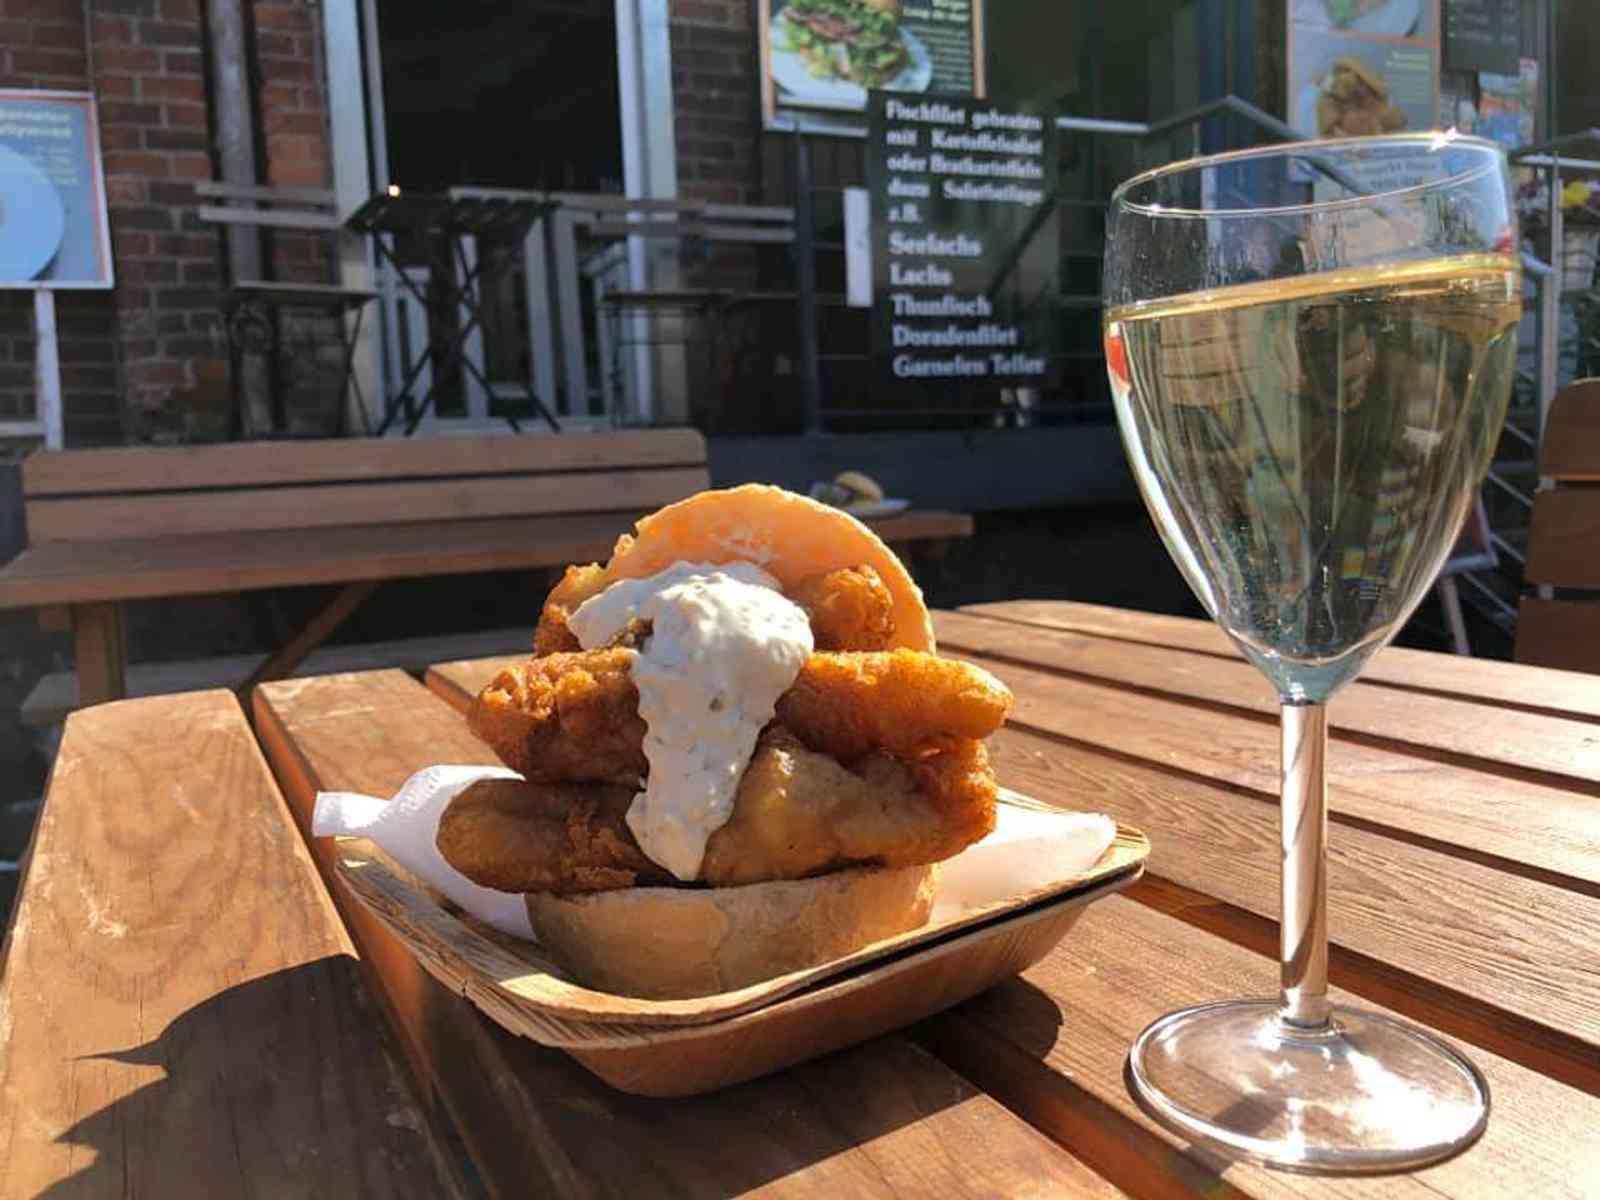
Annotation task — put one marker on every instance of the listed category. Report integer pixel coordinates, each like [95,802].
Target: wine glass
[1311,347]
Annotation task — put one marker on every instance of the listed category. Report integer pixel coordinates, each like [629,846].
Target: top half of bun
[788,535]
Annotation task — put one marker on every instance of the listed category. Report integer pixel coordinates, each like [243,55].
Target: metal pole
[236,132]
[806,284]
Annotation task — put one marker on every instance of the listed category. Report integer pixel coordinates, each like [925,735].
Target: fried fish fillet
[850,608]
[569,717]
[575,717]
[545,837]
[577,584]
[797,813]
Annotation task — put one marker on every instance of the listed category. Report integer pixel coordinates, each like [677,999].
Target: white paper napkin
[1028,848]
[407,828]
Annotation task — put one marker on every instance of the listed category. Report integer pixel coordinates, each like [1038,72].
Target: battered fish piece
[797,813]
[577,584]
[576,716]
[545,837]
[849,609]
[570,717]
[848,705]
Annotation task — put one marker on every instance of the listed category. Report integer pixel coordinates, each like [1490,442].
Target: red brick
[60,37]
[269,43]
[50,64]
[185,116]
[121,137]
[281,16]
[279,95]
[190,166]
[201,271]
[132,245]
[127,162]
[300,70]
[298,174]
[114,87]
[183,62]
[111,59]
[286,121]
[163,87]
[186,245]
[180,10]
[295,147]
[164,33]
[177,139]
[145,216]
[128,189]
[148,270]
[124,112]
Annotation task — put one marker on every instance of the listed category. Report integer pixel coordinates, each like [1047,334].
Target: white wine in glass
[1311,348]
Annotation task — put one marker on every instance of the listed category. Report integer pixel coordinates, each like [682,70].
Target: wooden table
[187,1007]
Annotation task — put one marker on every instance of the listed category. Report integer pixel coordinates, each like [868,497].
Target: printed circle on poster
[32,218]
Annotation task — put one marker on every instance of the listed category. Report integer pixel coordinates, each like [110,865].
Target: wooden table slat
[1053,1043]
[181,1011]
[1518,954]
[1466,728]
[1510,685]
[880,1119]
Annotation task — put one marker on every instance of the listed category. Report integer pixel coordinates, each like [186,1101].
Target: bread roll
[679,943]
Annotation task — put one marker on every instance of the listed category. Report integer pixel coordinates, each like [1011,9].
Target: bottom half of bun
[679,943]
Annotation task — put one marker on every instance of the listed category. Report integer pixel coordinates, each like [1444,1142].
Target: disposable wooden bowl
[682,1047]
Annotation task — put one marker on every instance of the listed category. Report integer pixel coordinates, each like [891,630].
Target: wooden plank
[100,652]
[1559,633]
[1570,449]
[920,524]
[183,1013]
[1510,952]
[456,683]
[1566,530]
[537,1124]
[284,660]
[164,468]
[311,506]
[207,563]
[1506,684]
[1052,1045]
[56,695]
[1458,727]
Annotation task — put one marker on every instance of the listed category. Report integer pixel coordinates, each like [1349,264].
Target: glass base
[1367,1094]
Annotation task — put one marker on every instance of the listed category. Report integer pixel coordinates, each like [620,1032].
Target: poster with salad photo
[820,58]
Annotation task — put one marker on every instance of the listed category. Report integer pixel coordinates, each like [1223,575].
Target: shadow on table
[279,1086]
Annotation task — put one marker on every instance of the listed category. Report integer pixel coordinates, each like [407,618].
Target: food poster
[1363,67]
[820,58]
[53,227]
[1506,104]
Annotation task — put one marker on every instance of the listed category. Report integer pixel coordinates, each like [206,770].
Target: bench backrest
[1564,546]
[95,495]
[285,207]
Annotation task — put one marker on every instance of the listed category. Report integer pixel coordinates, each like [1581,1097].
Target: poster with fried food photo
[1363,67]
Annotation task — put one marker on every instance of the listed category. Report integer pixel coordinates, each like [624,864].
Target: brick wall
[293,114]
[714,99]
[42,45]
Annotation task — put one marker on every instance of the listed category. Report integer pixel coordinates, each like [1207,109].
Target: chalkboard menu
[1483,35]
[964,241]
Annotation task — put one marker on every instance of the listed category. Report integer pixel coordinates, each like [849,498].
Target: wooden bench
[110,526]
[1559,626]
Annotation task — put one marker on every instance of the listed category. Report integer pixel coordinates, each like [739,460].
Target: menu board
[53,227]
[964,240]
[1363,67]
[821,58]
[1483,35]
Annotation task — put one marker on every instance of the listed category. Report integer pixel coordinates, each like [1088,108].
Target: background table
[1464,893]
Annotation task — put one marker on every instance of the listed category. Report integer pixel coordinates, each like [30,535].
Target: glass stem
[1303,933]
